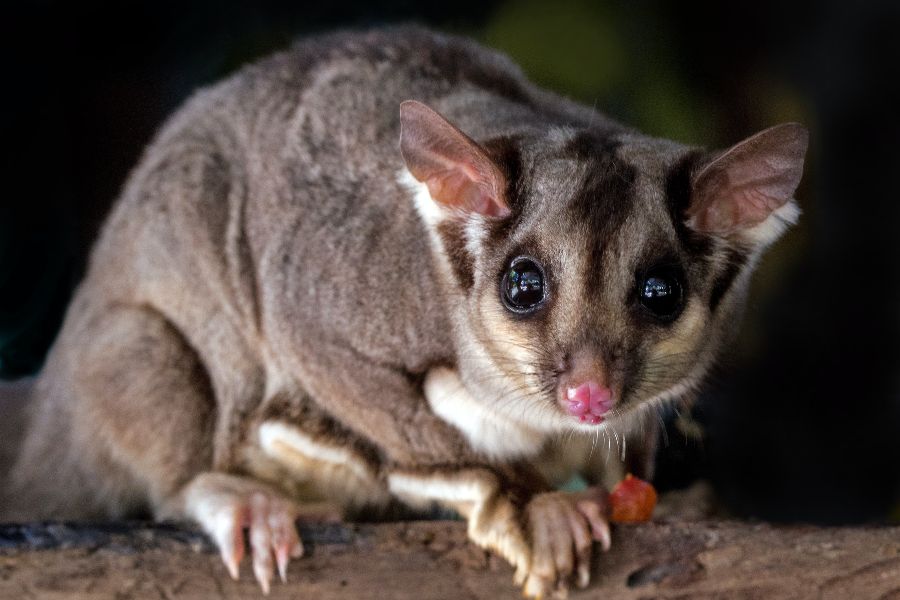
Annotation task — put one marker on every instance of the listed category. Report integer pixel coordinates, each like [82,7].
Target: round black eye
[522,286]
[660,292]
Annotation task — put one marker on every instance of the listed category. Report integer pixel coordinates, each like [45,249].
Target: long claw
[535,587]
[599,526]
[262,570]
[602,535]
[584,575]
[229,537]
[231,563]
[281,559]
[231,508]
[261,541]
[582,541]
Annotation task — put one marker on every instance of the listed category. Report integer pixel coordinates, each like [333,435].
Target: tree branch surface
[433,560]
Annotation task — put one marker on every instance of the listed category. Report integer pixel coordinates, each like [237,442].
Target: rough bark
[430,560]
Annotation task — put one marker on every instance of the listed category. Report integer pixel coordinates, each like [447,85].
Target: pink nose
[589,401]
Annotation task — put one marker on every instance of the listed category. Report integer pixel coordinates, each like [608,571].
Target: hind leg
[227,506]
[148,392]
[124,422]
[144,410]
[121,417]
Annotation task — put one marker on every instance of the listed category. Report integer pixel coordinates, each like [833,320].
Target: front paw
[561,528]
[550,541]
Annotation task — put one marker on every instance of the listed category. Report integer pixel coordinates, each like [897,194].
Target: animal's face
[589,285]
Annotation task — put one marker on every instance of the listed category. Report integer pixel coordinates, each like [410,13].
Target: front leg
[130,424]
[547,536]
[559,527]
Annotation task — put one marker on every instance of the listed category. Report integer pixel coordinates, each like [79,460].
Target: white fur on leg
[282,441]
[324,470]
[492,519]
[559,525]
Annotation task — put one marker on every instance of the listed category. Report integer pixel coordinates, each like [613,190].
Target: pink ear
[742,186]
[458,172]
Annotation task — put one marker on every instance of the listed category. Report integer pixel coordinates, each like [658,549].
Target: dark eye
[522,287]
[660,292]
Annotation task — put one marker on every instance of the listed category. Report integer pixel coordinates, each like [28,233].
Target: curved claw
[593,505]
[561,530]
[226,505]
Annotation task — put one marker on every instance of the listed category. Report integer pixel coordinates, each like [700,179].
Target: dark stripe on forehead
[722,283]
[461,261]
[605,198]
[678,198]
[591,144]
[505,153]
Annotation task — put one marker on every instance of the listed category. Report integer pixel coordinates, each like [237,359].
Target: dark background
[802,421]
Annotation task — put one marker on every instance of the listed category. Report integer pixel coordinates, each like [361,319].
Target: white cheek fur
[487,431]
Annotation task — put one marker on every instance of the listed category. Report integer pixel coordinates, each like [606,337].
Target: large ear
[458,172]
[745,184]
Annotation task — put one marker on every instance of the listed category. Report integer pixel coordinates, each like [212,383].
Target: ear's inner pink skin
[589,401]
[458,172]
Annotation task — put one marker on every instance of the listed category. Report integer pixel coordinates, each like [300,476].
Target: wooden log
[433,560]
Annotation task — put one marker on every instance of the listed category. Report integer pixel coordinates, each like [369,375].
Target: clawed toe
[273,537]
[231,510]
[563,528]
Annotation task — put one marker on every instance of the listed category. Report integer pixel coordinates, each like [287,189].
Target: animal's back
[294,156]
[300,148]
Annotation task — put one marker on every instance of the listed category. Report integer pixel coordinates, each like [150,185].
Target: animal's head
[592,272]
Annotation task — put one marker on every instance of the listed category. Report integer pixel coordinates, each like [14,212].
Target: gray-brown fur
[264,255]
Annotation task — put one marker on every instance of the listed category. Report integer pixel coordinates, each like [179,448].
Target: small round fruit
[632,500]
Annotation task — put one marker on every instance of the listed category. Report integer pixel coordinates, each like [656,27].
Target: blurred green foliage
[572,45]
[597,53]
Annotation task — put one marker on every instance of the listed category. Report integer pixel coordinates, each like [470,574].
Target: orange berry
[632,500]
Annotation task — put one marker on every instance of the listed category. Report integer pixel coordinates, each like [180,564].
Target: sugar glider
[382,266]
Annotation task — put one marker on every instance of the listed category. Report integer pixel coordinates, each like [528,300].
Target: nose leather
[589,401]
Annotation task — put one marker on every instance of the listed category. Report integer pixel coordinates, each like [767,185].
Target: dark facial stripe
[591,144]
[461,261]
[504,151]
[605,198]
[723,280]
[678,198]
